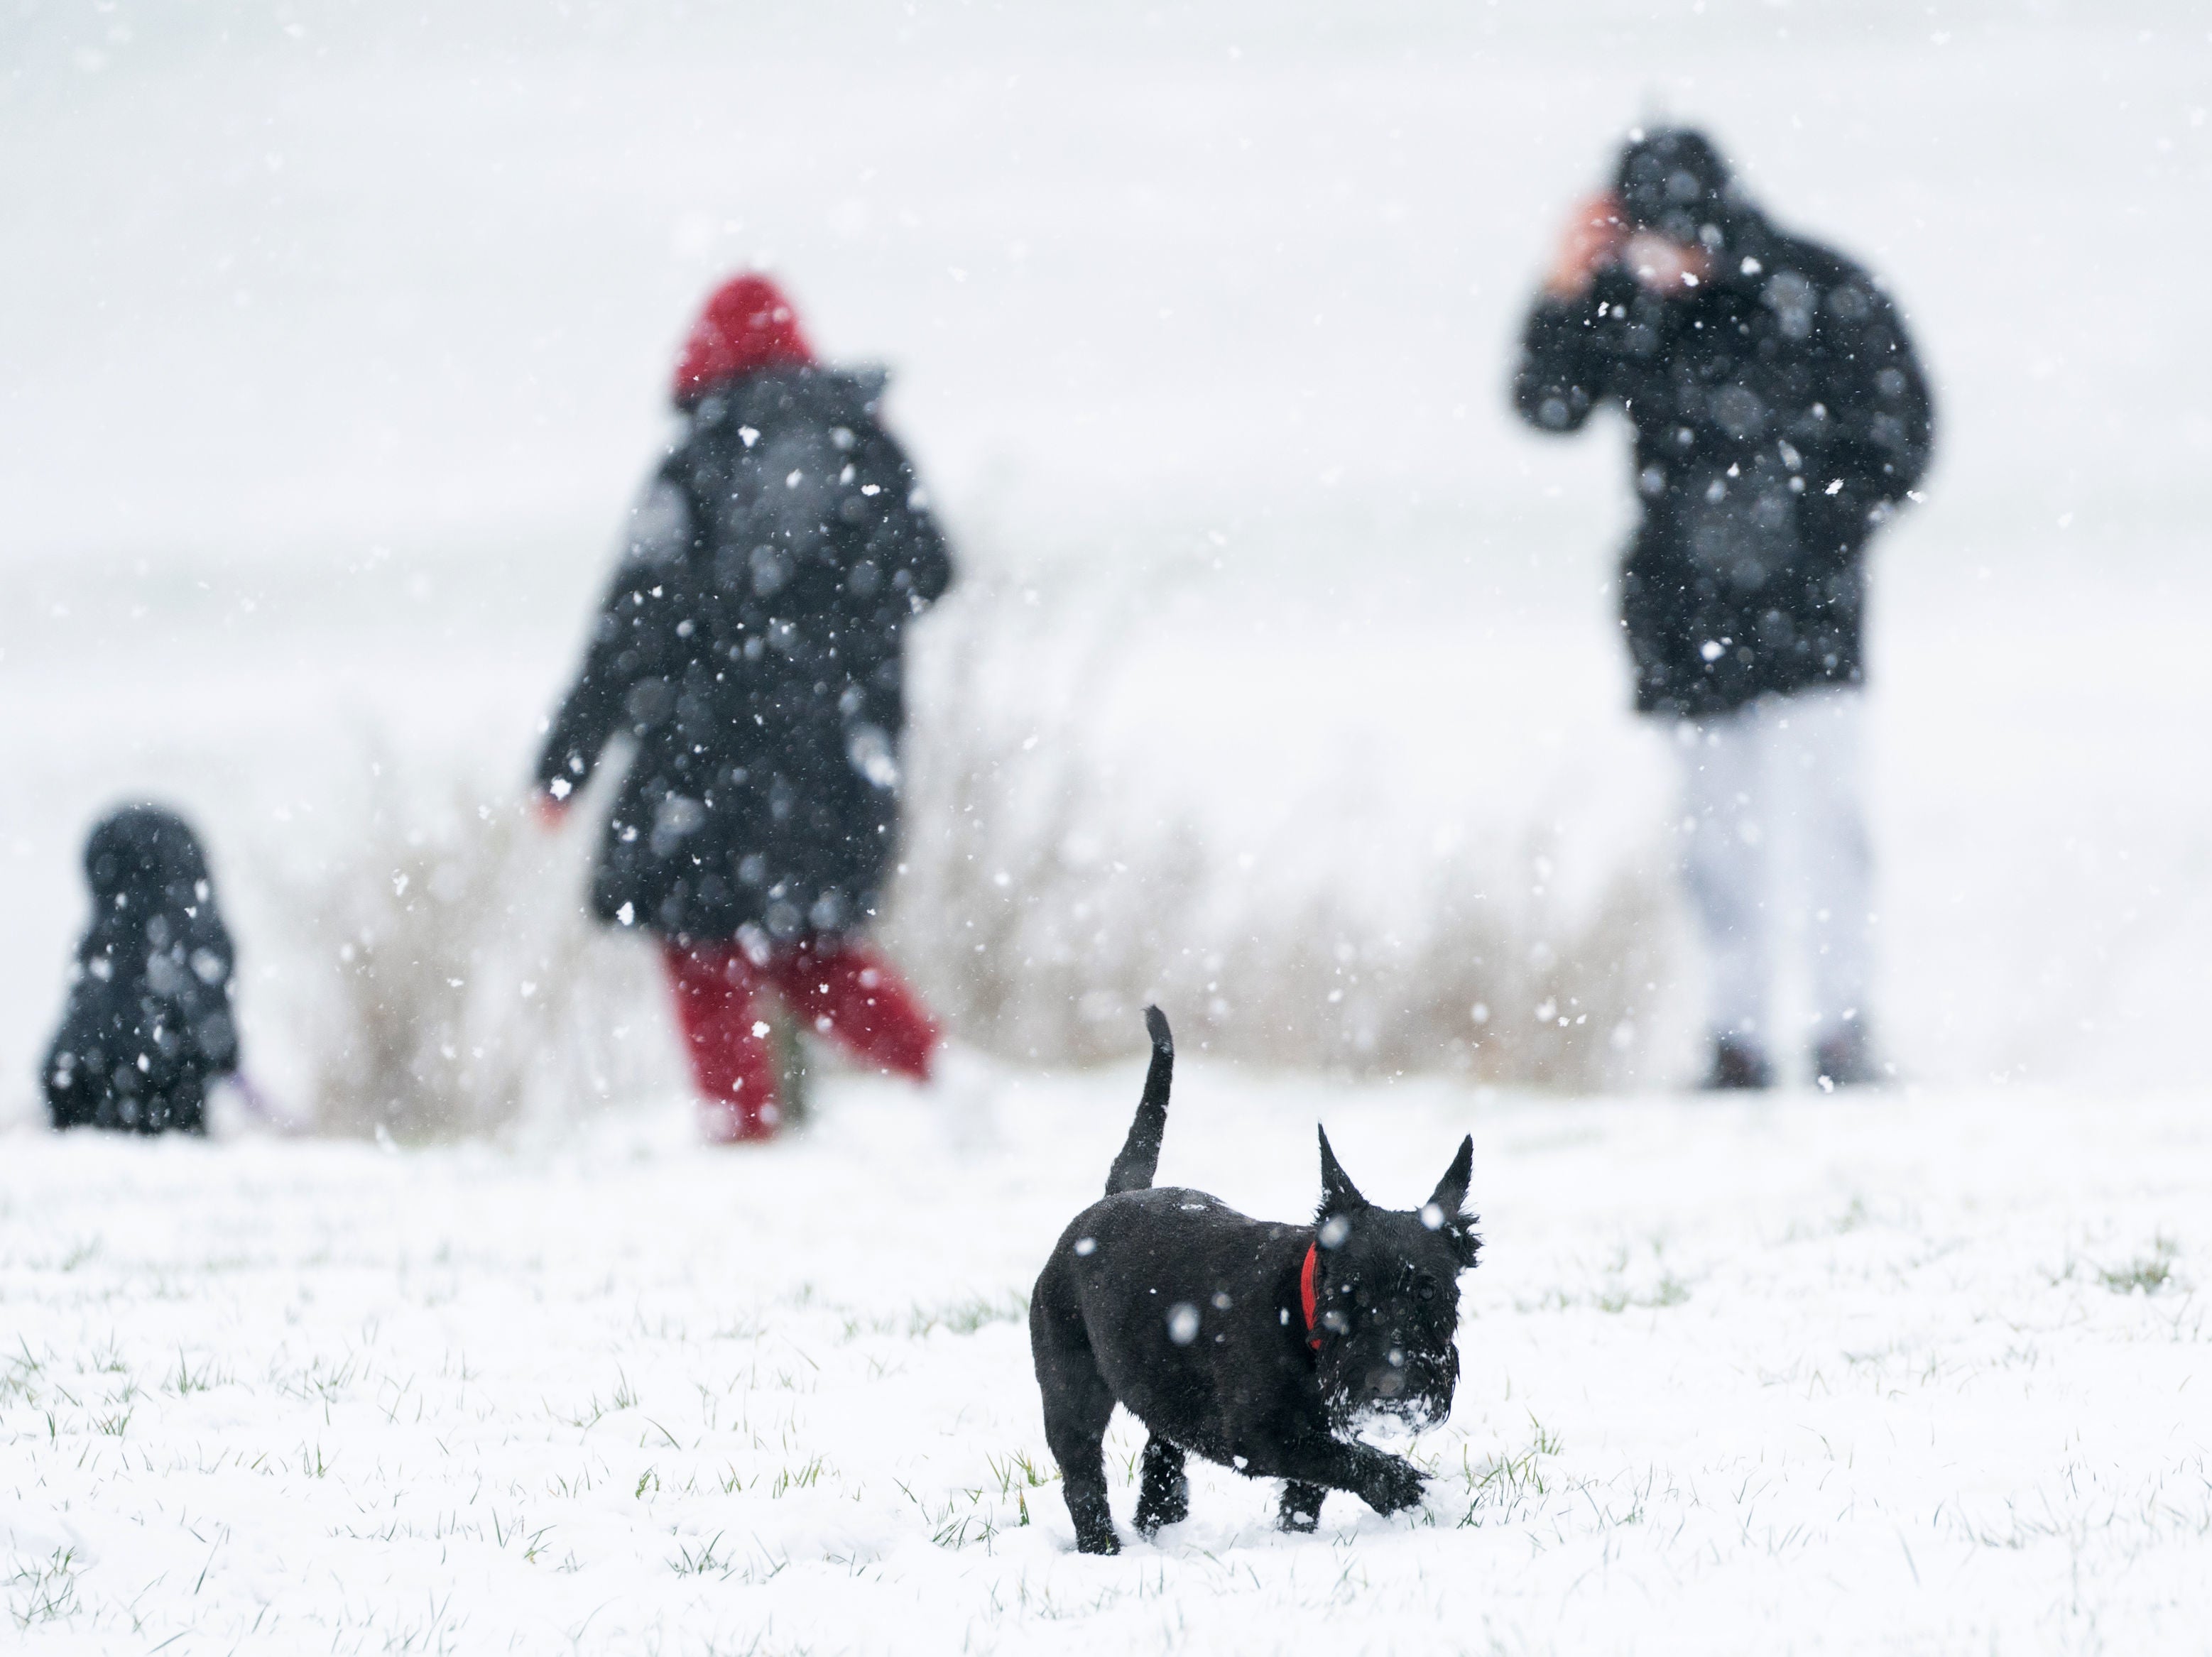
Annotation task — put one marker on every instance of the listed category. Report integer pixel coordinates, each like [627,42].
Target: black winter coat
[148,1022]
[1778,412]
[751,649]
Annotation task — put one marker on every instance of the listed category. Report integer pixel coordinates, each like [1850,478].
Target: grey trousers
[1775,845]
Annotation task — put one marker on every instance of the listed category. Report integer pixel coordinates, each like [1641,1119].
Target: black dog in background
[1253,1344]
[148,1023]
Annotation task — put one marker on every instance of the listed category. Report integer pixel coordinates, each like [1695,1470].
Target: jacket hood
[150,879]
[144,850]
[1673,180]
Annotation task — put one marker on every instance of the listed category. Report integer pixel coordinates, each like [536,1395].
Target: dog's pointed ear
[1446,1208]
[1337,1194]
[1450,1195]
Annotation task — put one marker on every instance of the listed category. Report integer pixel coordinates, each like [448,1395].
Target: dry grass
[458,985]
[1039,919]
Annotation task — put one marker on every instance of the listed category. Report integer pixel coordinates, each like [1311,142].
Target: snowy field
[1914,1373]
[335,347]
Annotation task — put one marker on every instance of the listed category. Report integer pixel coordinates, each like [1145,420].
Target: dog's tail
[1140,1151]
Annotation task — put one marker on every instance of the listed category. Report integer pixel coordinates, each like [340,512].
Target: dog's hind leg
[1164,1498]
[1302,1503]
[1075,1415]
[1078,1403]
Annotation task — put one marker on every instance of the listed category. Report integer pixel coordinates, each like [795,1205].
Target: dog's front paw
[1096,1539]
[1394,1485]
[1301,1510]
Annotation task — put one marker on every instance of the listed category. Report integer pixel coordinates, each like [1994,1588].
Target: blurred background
[1284,681]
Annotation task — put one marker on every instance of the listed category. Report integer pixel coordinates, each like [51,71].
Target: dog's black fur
[1190,1315]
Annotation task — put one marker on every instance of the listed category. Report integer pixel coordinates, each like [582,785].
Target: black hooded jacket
[750,648]
[1779,413]
[148,1022]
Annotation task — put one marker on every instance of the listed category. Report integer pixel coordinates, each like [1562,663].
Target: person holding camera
[1779,416]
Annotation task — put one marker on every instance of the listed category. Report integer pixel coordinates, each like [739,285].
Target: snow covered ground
[1912,1374]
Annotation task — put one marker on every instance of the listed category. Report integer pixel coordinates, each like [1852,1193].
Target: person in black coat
[751,651]
[1779,416]
[148,1022]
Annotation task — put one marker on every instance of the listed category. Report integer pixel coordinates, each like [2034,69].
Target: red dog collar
[1306,1293]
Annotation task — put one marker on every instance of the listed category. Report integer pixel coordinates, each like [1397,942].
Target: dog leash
[258,1104]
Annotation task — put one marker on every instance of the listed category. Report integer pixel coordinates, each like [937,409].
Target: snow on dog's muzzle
[1410,1387]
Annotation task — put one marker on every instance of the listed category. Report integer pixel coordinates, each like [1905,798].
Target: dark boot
[794,1094]
[1738,1064]
[1846,1059]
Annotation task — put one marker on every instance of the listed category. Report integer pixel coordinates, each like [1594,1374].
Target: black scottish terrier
[1253,1344]
[148,1023]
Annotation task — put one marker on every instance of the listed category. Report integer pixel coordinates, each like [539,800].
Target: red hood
[747,324]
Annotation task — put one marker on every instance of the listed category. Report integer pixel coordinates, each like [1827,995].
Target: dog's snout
[1406,1379]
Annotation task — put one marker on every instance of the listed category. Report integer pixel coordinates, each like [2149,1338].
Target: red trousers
[843,988]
